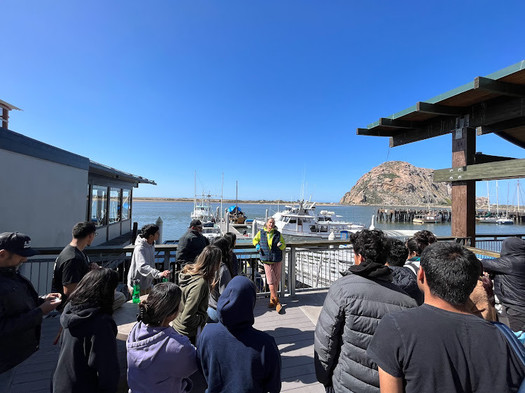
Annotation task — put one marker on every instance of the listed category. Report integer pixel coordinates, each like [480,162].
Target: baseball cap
[195,223]
[17,243]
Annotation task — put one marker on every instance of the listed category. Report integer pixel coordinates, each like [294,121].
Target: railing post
[291,271]
[159,223]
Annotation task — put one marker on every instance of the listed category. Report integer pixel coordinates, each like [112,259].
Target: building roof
[491,104]
[112,173]
[9,106]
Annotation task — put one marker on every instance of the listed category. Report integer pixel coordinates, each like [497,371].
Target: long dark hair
[96,289]
[224,244]
[163,300]
[206,264]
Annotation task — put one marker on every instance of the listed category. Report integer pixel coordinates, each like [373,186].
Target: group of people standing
[406,317]
[419,327]
[203,324]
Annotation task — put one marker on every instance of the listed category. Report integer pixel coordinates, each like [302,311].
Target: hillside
[398,183]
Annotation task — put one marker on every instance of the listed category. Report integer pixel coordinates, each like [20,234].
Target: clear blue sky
[270,93]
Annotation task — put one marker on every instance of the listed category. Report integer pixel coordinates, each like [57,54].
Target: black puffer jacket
[509,272]
[405,279]
[351,312]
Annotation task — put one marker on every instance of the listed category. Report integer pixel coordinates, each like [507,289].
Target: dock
[293,332]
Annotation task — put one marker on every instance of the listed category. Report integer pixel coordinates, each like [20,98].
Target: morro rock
[396,183]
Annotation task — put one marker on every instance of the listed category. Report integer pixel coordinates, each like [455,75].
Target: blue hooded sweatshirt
[160,360]
[234,356]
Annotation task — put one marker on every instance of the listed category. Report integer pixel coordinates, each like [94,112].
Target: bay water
[176,217]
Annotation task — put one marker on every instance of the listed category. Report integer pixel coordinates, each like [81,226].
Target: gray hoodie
[142,264]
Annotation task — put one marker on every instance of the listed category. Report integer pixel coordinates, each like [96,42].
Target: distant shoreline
[280,202]
[228,201]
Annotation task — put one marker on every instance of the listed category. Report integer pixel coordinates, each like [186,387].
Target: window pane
[114,205]
[126,204]
[98,205]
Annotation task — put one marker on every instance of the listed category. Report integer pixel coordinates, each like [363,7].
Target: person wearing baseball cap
[21,310]
[191,244]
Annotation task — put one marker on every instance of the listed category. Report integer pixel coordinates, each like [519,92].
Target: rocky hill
[398,183]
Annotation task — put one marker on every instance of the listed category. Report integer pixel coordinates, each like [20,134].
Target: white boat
[505,221]
[202,211]
[428,218]
[302,220]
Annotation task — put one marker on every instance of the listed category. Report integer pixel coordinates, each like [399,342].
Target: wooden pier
[293,332]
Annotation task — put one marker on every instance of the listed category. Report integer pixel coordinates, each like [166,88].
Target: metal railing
[306,265]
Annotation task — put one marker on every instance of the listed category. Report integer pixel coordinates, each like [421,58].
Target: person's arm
[497,265]
[328,337]
[273,361]
[282,244]
[389,383]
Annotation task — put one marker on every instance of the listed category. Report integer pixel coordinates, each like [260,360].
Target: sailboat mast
[497,199]
[222,192]
[488,197]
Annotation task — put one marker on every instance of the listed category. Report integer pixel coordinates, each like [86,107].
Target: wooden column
[464,193]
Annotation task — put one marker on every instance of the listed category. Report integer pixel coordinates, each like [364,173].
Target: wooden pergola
[491,104]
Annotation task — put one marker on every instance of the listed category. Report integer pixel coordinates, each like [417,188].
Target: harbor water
[176,217]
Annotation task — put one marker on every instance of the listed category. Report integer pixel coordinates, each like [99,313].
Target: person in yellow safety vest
[270,244]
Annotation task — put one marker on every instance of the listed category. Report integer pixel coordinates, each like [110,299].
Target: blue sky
[268,93]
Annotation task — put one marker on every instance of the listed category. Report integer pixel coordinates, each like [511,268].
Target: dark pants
[516,318]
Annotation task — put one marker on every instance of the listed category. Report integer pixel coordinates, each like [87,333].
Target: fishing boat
[427,218]
[302,220]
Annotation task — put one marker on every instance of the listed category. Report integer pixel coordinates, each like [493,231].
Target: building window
[99,199]
[114,205]
[126,204]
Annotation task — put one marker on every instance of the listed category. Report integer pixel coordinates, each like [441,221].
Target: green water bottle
[136,292]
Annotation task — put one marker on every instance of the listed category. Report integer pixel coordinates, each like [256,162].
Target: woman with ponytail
[159,358]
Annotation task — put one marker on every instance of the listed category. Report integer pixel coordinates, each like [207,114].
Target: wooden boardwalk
[293,331]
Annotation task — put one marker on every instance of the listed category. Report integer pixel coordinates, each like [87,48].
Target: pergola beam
[509,169]
[511,110]
[436,109]
[499,87]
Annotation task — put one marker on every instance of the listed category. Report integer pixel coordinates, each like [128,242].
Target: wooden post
[464,193]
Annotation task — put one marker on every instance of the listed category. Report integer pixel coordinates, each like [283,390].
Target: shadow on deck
[293,331]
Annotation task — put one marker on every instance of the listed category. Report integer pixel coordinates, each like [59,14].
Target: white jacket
[142,264]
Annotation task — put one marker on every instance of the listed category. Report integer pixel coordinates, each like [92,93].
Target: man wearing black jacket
[509,280]
[21,309]
[191,244]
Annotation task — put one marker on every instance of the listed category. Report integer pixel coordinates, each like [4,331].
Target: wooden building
[491,104]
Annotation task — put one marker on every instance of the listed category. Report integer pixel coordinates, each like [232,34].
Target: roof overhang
[491,104]
[111,173]
[9,106]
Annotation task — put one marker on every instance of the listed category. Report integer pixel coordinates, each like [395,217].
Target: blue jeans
[212,314]
[6,379]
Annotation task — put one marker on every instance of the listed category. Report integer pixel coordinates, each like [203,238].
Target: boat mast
[488,196]
[194,189]
[497,199]
[222,192]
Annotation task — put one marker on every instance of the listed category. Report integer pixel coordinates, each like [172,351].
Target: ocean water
[176,218]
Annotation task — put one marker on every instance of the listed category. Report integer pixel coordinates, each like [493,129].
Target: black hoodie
[509,272]
[234,356]
[88,360]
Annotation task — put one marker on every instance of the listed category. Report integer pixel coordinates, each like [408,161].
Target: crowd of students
[406,317]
